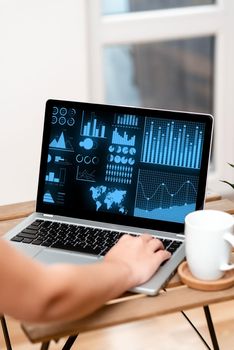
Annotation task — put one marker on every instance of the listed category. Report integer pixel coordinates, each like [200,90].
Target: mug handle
[229,237]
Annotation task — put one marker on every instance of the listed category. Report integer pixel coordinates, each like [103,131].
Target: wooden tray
[227,281]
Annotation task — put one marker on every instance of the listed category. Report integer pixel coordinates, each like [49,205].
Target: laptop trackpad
[49,256]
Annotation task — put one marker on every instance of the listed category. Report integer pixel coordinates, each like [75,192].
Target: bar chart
[50,177]
[92,127]
[126,119]
[124,139]
[173,143]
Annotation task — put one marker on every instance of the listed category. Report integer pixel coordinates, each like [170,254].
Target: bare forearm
[73,292]
[34,292]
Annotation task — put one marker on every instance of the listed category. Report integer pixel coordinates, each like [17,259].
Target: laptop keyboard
[76,238]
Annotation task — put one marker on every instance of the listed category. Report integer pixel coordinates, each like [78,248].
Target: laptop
[108,170]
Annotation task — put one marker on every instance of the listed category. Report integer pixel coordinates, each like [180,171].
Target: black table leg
[67,346]
[70,341]
[5,333]
[45,346]
[196,330]
[211,327]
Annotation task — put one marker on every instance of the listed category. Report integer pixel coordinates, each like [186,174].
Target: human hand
[142,255]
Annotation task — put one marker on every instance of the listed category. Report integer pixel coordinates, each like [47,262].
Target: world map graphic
[110,199]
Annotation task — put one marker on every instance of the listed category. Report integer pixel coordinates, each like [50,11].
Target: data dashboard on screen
[129,164]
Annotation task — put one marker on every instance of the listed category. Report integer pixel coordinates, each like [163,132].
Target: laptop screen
[123,165]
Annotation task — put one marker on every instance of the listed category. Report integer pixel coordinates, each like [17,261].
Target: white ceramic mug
[208,243]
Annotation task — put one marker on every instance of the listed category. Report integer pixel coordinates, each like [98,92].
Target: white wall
[43,54]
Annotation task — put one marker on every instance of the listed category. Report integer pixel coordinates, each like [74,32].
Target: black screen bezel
[114,218]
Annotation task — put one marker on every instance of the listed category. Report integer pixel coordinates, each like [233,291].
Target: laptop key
[62,245]
[17,239]
[46,224]
[47,243]
[37,241]
[77,247]
[43,230]
[27,240]
[174,246]
[36,223]
[30,230]
[27,235]
[166,243]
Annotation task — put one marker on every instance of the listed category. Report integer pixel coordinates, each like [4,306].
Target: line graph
[165,196]
[85,175]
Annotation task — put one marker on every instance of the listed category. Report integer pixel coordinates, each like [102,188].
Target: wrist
[122,272]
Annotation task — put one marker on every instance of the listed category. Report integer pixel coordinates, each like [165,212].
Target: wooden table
[130,307]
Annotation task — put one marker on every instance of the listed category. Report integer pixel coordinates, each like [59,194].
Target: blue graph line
[170,193]
[163,186]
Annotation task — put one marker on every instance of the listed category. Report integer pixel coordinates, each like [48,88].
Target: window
[111,7]
[146,74]
[167,54]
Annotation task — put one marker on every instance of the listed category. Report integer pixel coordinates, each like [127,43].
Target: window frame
[168,24]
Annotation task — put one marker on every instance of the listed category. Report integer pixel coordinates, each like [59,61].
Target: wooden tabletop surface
[130,307]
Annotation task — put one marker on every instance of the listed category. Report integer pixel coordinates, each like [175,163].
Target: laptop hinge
[48,215]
